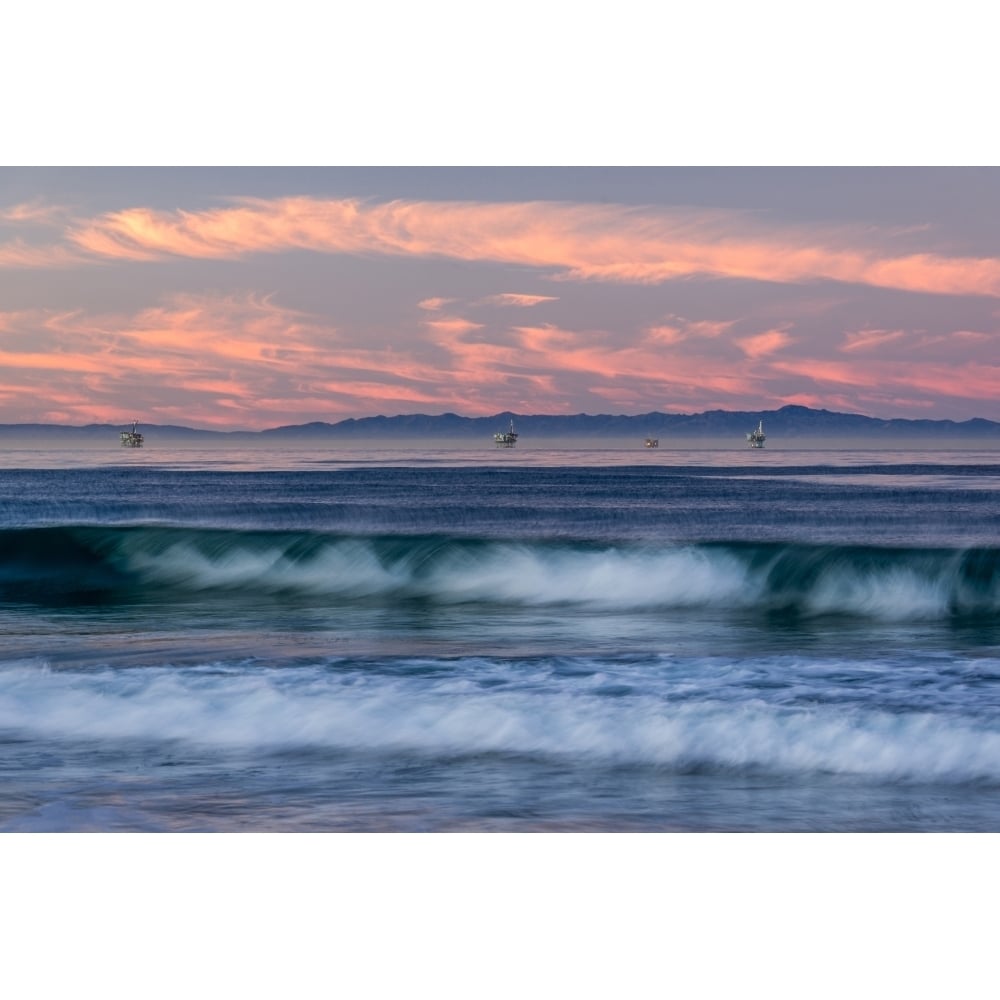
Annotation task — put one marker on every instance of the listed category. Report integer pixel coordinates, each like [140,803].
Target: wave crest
[342,709]
[79,563]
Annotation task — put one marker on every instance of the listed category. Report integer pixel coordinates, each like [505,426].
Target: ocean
[422,639]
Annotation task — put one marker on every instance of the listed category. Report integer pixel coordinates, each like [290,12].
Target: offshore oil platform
[132,438]
[506,439]
[756,439]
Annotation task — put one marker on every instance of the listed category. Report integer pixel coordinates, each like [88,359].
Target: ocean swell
[83,563]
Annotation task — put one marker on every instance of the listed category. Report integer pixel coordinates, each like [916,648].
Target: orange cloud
[568,241]
[40,361]
[220,360]
[833,372]
[451,325]
[18,254]
[762,344]
[679,329]
[964,381]
[550,340]
[35,212]
[652,373]
[199,348]
[666,334]
[246,360]
[810,399]
[515,299]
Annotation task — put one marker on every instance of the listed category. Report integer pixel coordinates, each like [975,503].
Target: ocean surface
[465,639]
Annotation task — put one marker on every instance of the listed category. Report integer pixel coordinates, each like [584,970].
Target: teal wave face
[77,564]
[55,564]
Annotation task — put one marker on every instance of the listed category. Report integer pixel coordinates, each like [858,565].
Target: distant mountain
[788,422]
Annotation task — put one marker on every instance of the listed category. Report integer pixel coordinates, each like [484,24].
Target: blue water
[526,640]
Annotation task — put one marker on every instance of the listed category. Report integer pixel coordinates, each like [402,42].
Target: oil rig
[756,439]
[132,438]
[506,439]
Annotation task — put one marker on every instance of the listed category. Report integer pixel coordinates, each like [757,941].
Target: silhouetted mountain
[786,423]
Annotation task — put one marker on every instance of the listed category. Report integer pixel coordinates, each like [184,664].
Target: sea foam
[592,721]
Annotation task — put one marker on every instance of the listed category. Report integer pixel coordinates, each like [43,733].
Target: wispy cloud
[246,360]
[516,299]
[211,352]
[676,329]
[36,212]
[863,340]
[963,380]
[21,254]
[580,242]
[762,344]
[219,360]
[433,305]
[451,325]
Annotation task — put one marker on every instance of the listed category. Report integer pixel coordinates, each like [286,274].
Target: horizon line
[504,414]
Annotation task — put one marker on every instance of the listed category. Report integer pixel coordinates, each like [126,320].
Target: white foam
[610,578]
[274,708]
[349,568]
[894,594]
[888,588]
[508,573]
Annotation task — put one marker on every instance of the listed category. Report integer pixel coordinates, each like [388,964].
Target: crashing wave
[81,563]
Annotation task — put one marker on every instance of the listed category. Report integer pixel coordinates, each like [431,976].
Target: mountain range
[788,422]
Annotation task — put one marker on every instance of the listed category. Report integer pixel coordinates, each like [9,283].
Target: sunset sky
[247,298]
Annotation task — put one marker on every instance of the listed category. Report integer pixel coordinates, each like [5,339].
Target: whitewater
[529,640]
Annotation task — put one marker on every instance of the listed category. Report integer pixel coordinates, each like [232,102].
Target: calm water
[539,639]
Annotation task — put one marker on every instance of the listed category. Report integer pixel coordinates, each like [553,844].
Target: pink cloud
[957,338]
[655,375]
[810,399]
[761,344]
[35,212]
[19,254]
[677,329]
[515,299]
[434,304]
[452,325]
[569,241]
[829,372]
[246,360]
[863,340]
[666,334]
[220,360]
[966,380]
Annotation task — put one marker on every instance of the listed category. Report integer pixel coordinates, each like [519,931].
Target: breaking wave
[449,713]
[87,563]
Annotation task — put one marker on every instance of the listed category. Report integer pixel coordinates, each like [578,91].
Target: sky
[245,298]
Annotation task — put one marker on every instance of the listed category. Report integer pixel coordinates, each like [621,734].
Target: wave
[446,714]
[89,563]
